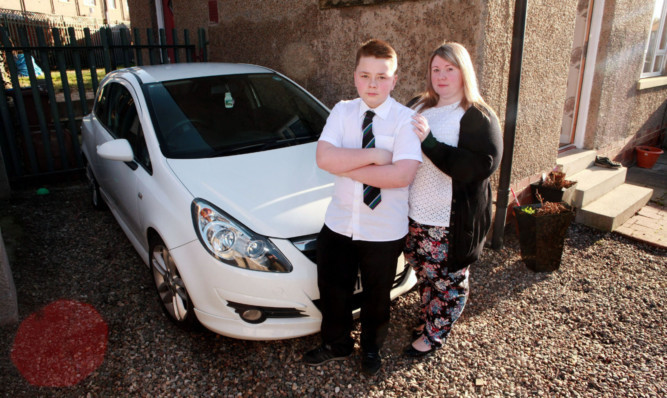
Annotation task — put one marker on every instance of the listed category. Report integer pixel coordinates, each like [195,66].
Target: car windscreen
[232,114]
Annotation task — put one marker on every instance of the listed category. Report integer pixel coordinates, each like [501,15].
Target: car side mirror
[119,149]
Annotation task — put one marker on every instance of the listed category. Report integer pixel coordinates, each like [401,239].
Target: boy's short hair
[378,49]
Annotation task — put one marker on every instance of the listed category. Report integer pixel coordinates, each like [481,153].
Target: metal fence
[39,131]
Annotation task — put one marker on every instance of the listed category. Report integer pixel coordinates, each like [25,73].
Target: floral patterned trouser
[443,294]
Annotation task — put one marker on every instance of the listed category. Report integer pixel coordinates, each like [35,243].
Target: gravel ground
[596,327]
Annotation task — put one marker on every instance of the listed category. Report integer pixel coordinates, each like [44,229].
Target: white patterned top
[431,191]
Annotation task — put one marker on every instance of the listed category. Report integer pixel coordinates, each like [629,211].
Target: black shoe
[321,355]
[412,352]
[602,161]
[371,362]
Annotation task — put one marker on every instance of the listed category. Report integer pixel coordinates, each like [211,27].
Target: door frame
[585,77]
[589,72]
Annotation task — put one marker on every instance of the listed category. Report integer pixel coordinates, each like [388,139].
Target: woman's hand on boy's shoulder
[420,126]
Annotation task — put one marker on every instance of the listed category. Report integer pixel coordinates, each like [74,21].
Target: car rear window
[234,114]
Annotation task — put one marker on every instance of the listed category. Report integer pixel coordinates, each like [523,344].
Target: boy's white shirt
[392,127]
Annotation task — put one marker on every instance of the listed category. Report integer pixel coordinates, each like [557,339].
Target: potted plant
[542,228]
[554,187]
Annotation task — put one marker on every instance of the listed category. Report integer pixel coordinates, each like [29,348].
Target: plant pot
[550,194]
[647,156]
[541,237]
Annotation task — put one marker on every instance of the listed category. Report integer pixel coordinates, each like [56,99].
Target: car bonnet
[278,193]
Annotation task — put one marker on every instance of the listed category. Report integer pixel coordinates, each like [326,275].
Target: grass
[71,79]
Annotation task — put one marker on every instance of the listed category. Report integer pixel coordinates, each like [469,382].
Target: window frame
[653,49]
[213,12]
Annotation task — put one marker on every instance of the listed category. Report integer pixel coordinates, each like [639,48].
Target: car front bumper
[221,293]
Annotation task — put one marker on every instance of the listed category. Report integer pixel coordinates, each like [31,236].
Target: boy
[374,156]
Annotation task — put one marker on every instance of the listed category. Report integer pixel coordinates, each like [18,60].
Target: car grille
[269,312]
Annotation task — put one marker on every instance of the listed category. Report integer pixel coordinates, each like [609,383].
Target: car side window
[102,104]
[122,121]
[135,136]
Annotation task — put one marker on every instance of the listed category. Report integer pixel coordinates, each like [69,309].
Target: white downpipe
[160,14]
[160,22]
[589,72]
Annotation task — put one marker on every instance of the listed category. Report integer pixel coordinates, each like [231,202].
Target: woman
[450,198]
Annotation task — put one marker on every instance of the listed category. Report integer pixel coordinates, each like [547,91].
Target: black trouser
[339,259]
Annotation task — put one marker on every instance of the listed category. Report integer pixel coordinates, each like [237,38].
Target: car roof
[166,72]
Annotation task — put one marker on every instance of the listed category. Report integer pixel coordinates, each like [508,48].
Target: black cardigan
[470,164]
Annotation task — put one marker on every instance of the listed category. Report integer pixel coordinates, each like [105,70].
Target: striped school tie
[371,194]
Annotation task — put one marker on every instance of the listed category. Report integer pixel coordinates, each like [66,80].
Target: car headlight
[230,242]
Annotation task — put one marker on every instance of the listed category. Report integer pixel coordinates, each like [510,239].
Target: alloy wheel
[171,288]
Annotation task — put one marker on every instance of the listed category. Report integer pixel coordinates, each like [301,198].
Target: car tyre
[171,289]
[95,198]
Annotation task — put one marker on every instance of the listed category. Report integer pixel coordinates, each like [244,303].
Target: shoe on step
[603,161]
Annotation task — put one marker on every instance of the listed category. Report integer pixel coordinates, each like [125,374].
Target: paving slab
[649,224]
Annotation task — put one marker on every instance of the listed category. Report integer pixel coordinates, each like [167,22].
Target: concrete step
[611,210]
[594,182]
[575,160]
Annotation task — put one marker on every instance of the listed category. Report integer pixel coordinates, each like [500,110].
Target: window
[230,115]
[111,4]
[656,50]
[213,12]
[116,111]
[102,105]
[90,3]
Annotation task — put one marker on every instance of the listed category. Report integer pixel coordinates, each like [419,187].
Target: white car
[210,170]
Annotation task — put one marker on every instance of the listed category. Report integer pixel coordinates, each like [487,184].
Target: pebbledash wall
[622,115]
[313,42]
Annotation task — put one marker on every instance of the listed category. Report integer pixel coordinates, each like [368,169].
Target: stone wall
[316,46]
[191,15]
[546,60]
[142,14]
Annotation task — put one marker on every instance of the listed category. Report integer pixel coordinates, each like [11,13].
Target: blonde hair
[457,55]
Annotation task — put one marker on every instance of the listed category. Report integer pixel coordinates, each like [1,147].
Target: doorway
[575,81]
